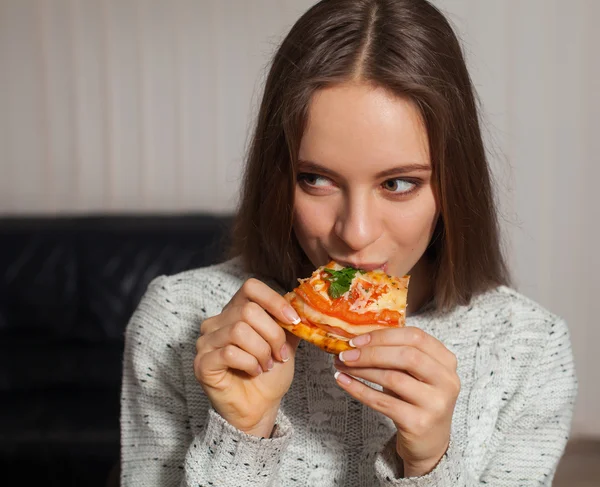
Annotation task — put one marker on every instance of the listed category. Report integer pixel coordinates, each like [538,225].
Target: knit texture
[509,427]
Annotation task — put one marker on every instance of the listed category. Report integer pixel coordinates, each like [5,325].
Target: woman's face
[363,195]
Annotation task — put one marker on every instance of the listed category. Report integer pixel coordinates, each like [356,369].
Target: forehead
[361,127]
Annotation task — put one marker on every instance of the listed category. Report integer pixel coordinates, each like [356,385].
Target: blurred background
[123,125]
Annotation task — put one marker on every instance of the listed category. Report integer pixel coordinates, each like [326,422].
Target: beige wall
[125,105]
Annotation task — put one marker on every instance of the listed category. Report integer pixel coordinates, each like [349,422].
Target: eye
[399,186]
[313,180]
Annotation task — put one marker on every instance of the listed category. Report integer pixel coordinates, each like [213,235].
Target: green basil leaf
[340,281]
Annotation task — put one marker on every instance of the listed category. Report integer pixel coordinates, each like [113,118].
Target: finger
[230,357]
[208,326]
[405,358]
[392,407]
[410,336]
[405,386]
[275,304]
[243,336]
[264,324]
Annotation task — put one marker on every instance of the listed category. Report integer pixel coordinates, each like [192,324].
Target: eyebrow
[405,168]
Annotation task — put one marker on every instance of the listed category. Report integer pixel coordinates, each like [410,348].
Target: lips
[363,266]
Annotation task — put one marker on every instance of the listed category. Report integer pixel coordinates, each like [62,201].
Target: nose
[359,224]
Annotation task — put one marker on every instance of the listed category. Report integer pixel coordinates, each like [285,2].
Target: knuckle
[453,361]
[382,402]
[265,353]
[274,334]
[250,311]
[416,336]
[410,357]
[198,368]
[438,404]
[395,379]
[229,353]
[368,355]
[422,423]
[456,386]
[362,395]
[199,344]
[206,326]
[249,286]
[239,331]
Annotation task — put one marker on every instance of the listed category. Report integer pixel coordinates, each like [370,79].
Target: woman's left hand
[420,388]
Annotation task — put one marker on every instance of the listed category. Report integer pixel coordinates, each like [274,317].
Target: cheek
[312,221]
[413,224]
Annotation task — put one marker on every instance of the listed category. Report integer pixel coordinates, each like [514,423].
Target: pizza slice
[338,303]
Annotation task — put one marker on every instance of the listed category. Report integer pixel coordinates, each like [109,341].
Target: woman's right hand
[245,360]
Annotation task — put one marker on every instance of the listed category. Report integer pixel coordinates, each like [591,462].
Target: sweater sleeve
[158,447]
[530,434]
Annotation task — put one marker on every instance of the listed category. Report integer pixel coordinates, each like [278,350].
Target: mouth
[362,265]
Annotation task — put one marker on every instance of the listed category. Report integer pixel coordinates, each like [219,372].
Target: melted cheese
[315,316]
[391,291]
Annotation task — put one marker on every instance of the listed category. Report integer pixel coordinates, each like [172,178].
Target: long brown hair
[409,48]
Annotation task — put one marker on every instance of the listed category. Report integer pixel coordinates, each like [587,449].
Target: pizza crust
[317,337]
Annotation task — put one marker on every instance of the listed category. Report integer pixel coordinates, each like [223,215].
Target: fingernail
[360,340]
[291,315]
[349,355]
[285,356]
[259,370]
[342,378]
[270,364]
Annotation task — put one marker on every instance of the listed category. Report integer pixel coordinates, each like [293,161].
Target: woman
[367,150]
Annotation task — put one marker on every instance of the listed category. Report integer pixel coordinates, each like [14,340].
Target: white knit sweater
[510,424]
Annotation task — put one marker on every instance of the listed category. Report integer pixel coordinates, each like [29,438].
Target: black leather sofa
[68,287]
